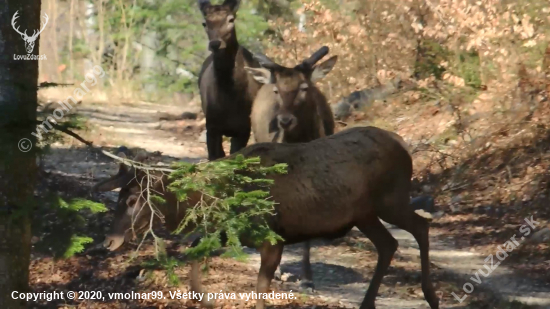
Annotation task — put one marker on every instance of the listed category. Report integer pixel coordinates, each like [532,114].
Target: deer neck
[225,59]
[309,122]
[307,131]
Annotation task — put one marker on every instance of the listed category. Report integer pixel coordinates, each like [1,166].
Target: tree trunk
[18,80]
[148,61]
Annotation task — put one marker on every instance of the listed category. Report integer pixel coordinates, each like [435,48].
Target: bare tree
[18,89]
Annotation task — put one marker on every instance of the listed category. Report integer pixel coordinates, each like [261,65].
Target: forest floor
[471,226]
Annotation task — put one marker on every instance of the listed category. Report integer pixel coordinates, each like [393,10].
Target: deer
[29,40]
[289,108]
[226,90]
[353,178]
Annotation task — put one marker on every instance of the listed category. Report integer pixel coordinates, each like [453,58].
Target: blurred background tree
[153,49]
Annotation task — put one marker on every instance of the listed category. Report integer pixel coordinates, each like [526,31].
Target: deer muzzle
[286,121]
[215,45]
[113,242]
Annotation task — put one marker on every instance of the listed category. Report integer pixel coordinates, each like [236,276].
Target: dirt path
[342,277]
[342,268]
[138,125]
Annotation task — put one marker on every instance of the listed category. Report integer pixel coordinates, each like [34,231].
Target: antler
[318,55]
[203,4]
[43,26]
[13,25]
[266,62]
[121,178]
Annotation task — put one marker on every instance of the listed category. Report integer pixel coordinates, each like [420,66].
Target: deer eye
[275,90]
[231,19]
[303,87]
[131,202]
[204,24]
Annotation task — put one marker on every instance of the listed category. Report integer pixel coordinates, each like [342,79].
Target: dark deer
[289,108]
[227,91]
[353,178]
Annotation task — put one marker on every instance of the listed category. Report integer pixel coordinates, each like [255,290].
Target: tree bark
[18,81]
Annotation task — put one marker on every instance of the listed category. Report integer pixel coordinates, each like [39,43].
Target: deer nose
[214,45]
[285,121]
[107,243]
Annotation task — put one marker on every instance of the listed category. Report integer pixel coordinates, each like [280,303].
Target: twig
[455,188]
[153,213]
[128,162]
[71,133]
[509,173]
[137,165]
[48,85]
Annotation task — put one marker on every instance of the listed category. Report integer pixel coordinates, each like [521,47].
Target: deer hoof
[277,275]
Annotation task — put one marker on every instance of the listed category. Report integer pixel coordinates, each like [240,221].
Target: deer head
[29,40]
[219,23]
[293,88]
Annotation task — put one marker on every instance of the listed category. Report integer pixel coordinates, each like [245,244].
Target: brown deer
[227,91]
[289,108]
[353,178]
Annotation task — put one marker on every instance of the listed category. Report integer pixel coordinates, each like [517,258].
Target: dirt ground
[469,228]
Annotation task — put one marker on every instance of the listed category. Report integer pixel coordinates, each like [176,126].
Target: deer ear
[261,75]
[321,70]
[233,4]
[119,180]
[122,168]
[203,4]
[141,156]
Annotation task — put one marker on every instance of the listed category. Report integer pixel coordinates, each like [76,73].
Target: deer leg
[419,228]
[386,246]
[239,142]
[195,276]
[270,259]
[278,275]
[214,144]
[196,286]
[307,276]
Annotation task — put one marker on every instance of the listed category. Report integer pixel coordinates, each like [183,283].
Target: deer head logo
[29,40]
